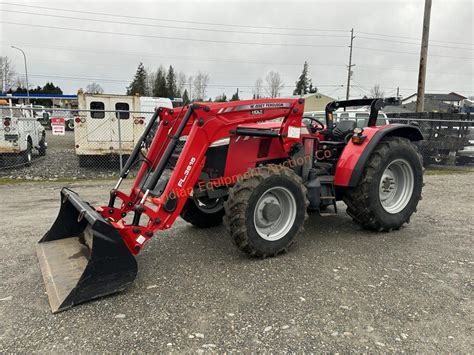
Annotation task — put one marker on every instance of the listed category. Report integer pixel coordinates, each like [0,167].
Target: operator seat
[343,128]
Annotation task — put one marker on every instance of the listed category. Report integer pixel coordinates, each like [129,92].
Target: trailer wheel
[265,210]
[27,155]
[203,213]
[390,188]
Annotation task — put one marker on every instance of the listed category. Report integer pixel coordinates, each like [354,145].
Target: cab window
[122,106]
[97,109]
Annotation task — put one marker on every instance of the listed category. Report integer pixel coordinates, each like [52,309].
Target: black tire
[27,155]
[363,202]
[70,125]
[203,217]
[42,145]
[242,202]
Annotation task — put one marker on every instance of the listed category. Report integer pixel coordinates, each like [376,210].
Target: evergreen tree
[171,83]
[138,85]
[312,89]
[235,97]
[303,83]
[185,97]
[221,98]
[159,87]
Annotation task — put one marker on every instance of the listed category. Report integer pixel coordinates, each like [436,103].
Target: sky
[73,43]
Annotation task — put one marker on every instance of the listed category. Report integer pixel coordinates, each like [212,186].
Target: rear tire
[265,210]
[390,188]
[27,155]
[202,213]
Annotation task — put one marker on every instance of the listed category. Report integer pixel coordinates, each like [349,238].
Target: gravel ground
[60,162]
[339,289]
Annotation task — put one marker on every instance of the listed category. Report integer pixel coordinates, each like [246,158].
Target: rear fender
[352,161]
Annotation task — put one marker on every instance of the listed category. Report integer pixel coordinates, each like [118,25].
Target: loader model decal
[186,172]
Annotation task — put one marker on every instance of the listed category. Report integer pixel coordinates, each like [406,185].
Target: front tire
[390,188]
[203,213]
[27,155]
[265,210]
[42,145]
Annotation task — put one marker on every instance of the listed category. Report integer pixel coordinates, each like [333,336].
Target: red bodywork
[210,123]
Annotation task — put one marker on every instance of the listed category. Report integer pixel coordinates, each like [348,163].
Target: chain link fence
[88,144]
[96,143]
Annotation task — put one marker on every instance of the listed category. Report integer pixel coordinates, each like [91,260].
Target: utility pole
[420,97]
[349,67]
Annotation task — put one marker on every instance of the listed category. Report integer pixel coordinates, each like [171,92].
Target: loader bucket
[82,256]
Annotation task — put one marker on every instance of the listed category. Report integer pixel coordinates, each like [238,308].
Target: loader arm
[204,124]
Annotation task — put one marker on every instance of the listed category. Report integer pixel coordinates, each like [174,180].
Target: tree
[7,74]
[235,97]
[221,98]
[150,82]
[185,97]
[258,91]
[302,85]
[159,87]
[94,88]
[181,83]
[138,84]
[171,83]
[200,83]
[376,92]
[49,88]
[312,89]
[274,84]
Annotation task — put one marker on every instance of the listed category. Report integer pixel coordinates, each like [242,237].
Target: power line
[208,59]
[416,39]
[147,54]
[213,30]
[85,78]
[172,38]
[178,21]
[412,53]
[416,44]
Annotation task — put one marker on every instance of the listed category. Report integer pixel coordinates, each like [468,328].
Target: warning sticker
[293,132]
[141,239]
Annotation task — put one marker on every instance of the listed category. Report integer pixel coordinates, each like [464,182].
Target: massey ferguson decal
[259,106]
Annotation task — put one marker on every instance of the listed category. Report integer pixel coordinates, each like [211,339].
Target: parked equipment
[253,165]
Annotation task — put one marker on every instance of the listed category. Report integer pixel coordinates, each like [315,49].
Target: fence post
[119,140]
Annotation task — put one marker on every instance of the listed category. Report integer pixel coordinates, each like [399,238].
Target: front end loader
[258,166]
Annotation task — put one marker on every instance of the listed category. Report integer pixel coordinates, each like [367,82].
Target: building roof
[452,96]
[430,106]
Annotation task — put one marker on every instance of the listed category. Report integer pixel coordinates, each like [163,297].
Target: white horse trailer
[110,125]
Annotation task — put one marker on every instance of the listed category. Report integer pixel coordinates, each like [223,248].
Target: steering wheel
[320,125]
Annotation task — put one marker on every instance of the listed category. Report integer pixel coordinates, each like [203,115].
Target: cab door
[98,122]
[122,121]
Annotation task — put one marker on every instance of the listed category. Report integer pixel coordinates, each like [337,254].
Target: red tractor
[258,166]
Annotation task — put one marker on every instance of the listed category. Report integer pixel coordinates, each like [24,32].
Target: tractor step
[328,193]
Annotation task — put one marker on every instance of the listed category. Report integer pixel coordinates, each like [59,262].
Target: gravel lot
[60,162]
[339,289]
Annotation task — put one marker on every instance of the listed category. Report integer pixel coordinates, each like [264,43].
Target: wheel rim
[209,205]
[396,186]
[275,213]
